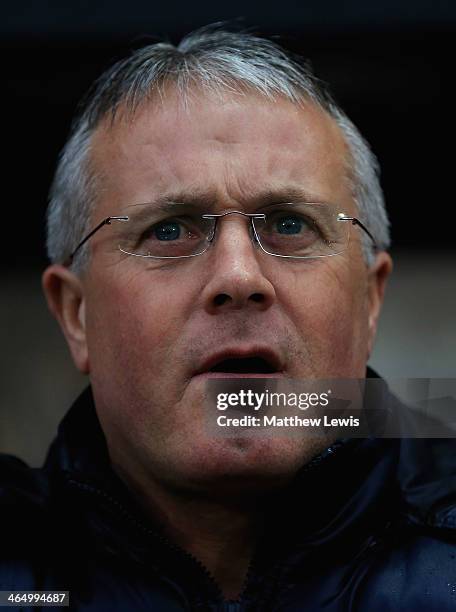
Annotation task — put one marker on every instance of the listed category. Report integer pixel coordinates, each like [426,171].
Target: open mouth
[243,365]
[240,366]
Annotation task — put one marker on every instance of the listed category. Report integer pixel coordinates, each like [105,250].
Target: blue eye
[289,225]
[168,230]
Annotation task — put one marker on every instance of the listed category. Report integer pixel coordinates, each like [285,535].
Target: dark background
[390,65]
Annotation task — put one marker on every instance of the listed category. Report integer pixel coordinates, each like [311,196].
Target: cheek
[131,326]
[132,329]
[326,306]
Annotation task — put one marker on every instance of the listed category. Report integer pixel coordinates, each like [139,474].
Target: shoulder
[427,479]
[20,484]
[412,565]
[24,498]
[31,526]
[415,570]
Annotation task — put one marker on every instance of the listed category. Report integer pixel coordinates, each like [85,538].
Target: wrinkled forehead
[231,147]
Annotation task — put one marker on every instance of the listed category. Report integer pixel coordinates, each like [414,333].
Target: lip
[238,375]
[239,353]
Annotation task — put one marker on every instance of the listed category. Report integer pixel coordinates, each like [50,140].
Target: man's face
[151,328]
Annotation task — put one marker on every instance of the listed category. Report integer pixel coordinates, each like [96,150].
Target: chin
[247,464]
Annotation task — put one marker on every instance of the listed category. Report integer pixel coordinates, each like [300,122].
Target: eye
[166,230]
[290,224]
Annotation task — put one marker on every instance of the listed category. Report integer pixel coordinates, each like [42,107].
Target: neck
[220,534]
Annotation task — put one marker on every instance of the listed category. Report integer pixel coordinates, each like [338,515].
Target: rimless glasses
[302,230]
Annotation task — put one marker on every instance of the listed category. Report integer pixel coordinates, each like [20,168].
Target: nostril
[257,297]
[221,299]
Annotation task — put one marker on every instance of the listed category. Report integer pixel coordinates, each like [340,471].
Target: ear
[65,298]
[378,275]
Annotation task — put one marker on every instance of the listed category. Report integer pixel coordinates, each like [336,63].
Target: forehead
[232,147]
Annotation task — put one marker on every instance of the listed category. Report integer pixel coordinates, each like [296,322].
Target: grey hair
[210,60]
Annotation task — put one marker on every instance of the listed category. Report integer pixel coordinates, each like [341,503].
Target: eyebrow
[286,194]
[169,203]
[206,200]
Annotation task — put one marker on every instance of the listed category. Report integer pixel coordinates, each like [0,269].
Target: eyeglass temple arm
[106,221]
[355,221]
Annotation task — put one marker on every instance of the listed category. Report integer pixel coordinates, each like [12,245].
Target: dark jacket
[369,526]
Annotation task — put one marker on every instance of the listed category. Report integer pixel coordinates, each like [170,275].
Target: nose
[236,278]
